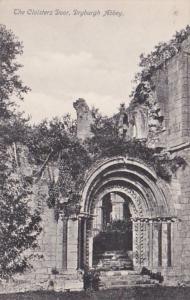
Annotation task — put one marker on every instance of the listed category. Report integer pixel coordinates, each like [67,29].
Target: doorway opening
[112,233]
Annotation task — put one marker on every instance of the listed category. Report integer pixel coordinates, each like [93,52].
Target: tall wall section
[173,95]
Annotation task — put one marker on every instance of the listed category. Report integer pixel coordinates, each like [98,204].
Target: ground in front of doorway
[130,293]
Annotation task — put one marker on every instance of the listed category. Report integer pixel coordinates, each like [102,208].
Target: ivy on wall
[75,158]
[162,53]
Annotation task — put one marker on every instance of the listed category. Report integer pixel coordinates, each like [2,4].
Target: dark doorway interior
[116,235]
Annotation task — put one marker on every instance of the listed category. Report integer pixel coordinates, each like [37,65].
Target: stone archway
[150,209]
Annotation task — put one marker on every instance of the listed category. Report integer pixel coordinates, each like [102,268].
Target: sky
[93,56]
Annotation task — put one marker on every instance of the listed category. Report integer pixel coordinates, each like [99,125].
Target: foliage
[53,194]
[10,82]
[49,137]
[14,129]
[119,225]
[91,279]
[56,141]
[75,160]
[117,235]
[19,224]
[112,240]
[106,142]
[75,157]
[156,276]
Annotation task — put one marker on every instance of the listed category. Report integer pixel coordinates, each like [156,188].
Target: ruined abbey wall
[172,90]
[172,84]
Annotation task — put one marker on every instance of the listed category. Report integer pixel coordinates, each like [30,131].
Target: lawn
[130,293]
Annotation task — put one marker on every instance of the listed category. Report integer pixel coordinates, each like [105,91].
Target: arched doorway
[147,201]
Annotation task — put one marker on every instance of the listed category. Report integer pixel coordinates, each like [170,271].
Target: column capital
[73,217]
[85,215]
[161,219]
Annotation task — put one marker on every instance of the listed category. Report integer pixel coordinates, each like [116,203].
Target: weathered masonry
[159,212]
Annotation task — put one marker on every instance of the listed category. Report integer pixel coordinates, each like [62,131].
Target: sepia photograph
[94,149]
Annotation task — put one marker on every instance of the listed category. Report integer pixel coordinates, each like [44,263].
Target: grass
[130,293]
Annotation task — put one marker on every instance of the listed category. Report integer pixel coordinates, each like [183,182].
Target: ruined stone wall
[160,80]
[172,84]
[172,91]
[47,240]
[180,187]
[84,119]
[48,243]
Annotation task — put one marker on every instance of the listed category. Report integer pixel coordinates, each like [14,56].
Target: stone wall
[180,187]
[84,119]
[172,90]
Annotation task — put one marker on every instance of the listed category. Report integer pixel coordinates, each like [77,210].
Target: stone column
[164,244]
[59,243]
[141,242]
[146,244]
[170,239]
[64,265]
[160,246]
[85,243]
[90,261]
[155,244]
[136,252]
[151,243]
[72,244]
[80,241]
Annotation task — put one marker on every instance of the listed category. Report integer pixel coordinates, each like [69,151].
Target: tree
[56,140]
[10,82]
[19,226]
